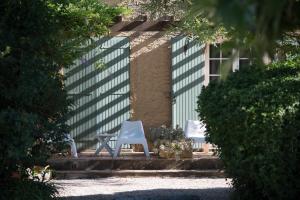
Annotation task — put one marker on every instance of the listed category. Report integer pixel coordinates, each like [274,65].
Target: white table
[103,139]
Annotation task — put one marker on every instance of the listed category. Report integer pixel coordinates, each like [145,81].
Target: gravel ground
[149,188]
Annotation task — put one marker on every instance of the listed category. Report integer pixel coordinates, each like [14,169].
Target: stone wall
[150,78]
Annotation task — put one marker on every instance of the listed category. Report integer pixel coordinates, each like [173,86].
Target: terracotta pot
[137,148]
[140,148]
[166,154]
[186,154]
[177,156]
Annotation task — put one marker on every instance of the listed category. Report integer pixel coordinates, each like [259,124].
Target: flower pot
[187,154]
[166,154]
[177,156]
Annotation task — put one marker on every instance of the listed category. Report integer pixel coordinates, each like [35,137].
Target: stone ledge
[83,164]
[138,173]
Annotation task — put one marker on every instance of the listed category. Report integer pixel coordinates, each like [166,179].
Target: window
[244,60]
[220,58]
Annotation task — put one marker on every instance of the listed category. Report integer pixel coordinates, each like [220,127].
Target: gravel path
[149,188]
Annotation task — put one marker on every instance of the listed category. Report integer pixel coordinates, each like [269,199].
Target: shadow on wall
[152,68]
[151,79]
[161,194]
[101,96]
[146,43]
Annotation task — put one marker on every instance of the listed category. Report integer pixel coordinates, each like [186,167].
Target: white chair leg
[117,149]
[146,149]
[73,148]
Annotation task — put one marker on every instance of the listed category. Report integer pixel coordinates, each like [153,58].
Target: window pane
[226,66]
[214,67]
[245,53]
[214,51]
[226,52]
[214,78]
[244,63]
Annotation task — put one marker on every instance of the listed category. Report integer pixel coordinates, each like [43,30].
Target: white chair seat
[131,140]
[195,130]
[132,132]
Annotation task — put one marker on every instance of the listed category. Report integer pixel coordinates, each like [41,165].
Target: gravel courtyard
[149,188]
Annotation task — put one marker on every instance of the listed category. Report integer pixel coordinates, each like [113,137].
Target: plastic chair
[72,144]
[195,130]
[132,132]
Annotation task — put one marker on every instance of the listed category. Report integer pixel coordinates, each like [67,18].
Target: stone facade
[150,77]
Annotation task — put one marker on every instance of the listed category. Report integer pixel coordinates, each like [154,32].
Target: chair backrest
[194,129]
[132,129]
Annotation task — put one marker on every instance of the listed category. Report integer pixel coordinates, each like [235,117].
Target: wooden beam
[141,23]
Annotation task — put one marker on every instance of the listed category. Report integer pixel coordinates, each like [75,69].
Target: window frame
[235,61]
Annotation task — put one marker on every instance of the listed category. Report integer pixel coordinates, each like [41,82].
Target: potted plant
[177,148]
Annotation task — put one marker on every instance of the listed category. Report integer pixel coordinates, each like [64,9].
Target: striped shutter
[187,78]
[99,84]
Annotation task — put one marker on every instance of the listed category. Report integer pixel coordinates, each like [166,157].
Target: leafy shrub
[254,119]
[27,189]
[177,148]
[169,142]
[165,133]
[37,39]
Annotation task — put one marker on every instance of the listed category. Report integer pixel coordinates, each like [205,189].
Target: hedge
[254,118]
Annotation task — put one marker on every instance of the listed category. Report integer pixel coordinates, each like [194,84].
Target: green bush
[27,189]
[254,119]
[167,142]
[37,39]
[165,133]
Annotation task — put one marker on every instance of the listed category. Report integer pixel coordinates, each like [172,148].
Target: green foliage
[161,8]
[261,23]
[37,39]
[192,24]
[27,189]
[254,119]
[100,65]
[168,142]
[200,28]
[165,133]
[263,26]
[173,149]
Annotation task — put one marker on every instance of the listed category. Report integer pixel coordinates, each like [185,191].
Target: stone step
[92,174]
[83,164]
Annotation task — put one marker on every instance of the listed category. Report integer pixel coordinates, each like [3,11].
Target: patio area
[129,163]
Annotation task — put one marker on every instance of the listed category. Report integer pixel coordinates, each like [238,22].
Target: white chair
[72,144]
[195,130]
[132,132]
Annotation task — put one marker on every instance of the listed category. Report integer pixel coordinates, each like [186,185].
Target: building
[139,72]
